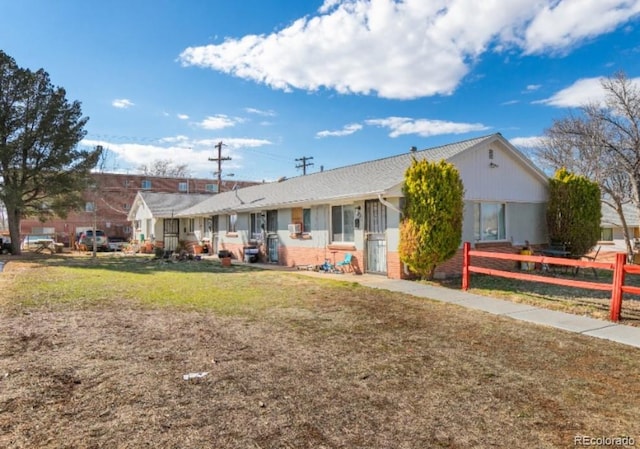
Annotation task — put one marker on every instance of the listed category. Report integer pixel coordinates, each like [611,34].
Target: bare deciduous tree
[164,167]
[602,143]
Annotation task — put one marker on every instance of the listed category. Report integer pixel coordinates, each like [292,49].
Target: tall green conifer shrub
[574,211]
[431,227]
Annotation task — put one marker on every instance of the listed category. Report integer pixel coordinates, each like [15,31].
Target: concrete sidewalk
[628,335]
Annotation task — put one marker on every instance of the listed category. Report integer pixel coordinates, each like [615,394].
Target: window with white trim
[146,184]
[489,222]
[606,234]
[231,222]
[306,220]
[182,186]
[89,206]
[342,224]
[256,224]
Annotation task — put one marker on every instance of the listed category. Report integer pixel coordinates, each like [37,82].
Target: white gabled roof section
[138,203]
[359,181]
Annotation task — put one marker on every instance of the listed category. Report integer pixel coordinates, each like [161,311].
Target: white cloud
[562,24]
[174,139]
[400,126]
[183,116]
[219,121]
[405,49]
[583,91]
[580,93]
[122,103]
[268,113]
[527,142]
[533,87]
[181,149]
[346,131]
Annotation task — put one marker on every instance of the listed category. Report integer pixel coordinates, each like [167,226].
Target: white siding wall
[509,181]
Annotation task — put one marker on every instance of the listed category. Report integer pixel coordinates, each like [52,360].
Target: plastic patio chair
[346,263]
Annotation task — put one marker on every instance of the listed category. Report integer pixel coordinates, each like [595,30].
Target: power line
[219,160]
[304,163]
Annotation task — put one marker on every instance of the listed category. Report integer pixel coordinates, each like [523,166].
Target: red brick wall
[295,255]
[291,256]
[394,266]
[453,266]
[115,191]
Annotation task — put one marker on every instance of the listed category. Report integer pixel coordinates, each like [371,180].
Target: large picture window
[342,228]
[489,223]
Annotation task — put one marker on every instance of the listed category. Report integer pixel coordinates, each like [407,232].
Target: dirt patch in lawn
[348,367]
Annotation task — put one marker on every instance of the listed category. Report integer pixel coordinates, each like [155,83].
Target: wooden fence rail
[617,287]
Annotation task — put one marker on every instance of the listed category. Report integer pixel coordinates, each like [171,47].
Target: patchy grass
[92,354]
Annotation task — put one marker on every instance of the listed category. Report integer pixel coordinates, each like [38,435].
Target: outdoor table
[41,245]
[553,252]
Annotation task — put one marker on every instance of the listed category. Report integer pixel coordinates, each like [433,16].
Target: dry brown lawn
[342,366]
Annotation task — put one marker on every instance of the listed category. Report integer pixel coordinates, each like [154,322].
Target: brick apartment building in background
[109,204]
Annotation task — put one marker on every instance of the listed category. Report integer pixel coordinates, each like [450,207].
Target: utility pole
[219,160]
[304,163]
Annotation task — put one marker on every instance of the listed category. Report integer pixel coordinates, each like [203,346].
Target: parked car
[5,245]
[116,243]
[85,241]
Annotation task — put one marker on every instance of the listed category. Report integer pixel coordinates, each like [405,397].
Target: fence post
[465,265]
[616,292]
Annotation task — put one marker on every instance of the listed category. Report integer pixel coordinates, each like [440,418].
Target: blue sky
[342,81]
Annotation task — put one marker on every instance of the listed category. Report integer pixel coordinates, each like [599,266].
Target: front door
[375,234]
[272,248]
[171,233]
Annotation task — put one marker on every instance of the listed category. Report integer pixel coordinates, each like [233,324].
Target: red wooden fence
[617,287]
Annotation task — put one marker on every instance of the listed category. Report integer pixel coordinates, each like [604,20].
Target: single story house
[153,218]
[356,209]
[612,236]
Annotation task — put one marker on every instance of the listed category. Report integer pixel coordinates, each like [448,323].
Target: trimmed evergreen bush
[431,227]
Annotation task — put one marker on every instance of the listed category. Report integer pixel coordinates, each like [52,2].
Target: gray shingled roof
[165,205]
[362,180]
[610,217]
